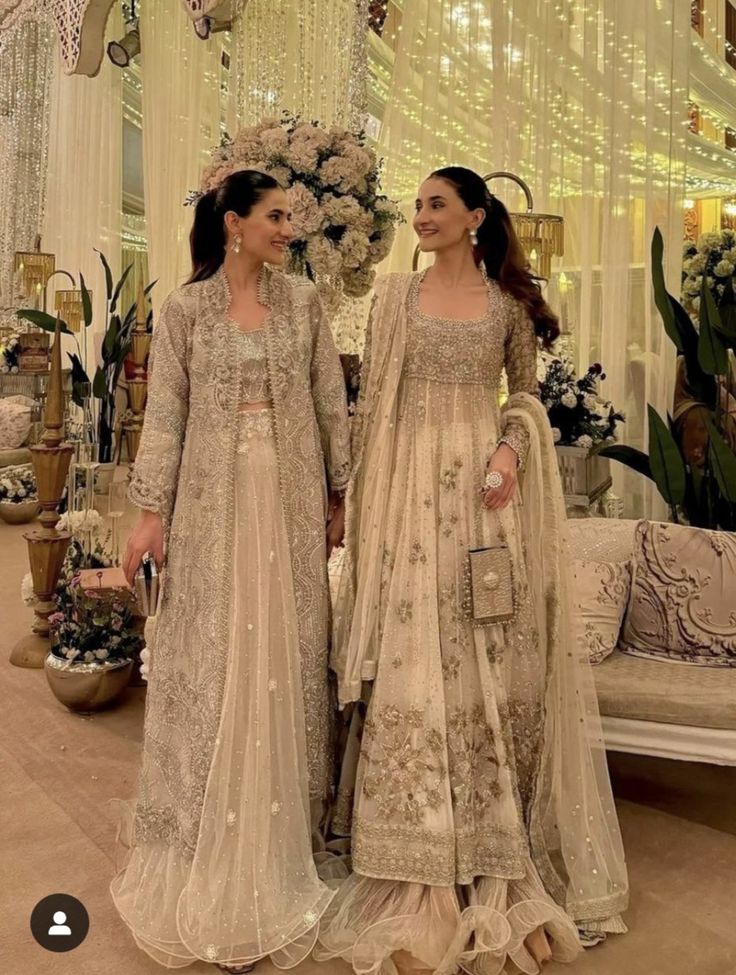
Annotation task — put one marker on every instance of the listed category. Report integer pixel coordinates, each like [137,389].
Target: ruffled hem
[476,929]
[173,946]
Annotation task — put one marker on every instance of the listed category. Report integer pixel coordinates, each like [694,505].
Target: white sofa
[669,687]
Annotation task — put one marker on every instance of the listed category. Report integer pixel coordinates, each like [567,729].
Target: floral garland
[714,256]
[18,484]
[579,416]
[344,225]
[9,352]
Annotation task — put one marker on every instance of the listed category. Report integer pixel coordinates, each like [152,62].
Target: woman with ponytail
[243,462]
[483,825]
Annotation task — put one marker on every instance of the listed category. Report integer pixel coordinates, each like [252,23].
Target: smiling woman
[246,415]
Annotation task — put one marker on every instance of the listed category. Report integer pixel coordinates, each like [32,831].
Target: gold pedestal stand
[46,546]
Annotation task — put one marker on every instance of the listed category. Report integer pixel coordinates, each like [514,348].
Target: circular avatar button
[59,922]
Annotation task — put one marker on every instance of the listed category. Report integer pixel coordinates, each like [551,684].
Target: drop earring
[236,244]
[473,237]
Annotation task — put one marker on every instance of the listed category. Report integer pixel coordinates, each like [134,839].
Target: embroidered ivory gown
[451,745]
[220,866]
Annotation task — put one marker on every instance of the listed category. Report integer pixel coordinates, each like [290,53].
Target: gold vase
[137,394]
[46,546]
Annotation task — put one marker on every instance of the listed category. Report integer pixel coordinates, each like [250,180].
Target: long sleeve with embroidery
[330,399]
[520,363]
[156,471]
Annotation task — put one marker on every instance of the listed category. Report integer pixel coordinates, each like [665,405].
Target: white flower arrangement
[712,257]
[9,352]
[578,414]
[83,524]
[18,484]
[344,226]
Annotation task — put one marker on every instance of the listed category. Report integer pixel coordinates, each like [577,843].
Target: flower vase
[585,476]
[86,687]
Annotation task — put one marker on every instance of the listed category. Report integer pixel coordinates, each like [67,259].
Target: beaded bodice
[450,351]
[254,365]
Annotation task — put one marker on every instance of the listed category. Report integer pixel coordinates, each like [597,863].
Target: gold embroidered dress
[237,725]
[448,842]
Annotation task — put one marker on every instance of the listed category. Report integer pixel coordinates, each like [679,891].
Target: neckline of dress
[261,295]
[414,304]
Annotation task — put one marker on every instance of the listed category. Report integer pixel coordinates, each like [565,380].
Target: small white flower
[27,593]
[724,269]
[590,401]
[556,434]
[569,400]
[101,654]
[584,441]
[88,657]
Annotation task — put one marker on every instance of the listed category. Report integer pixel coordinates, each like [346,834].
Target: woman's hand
[147,536]
[504,462]
[335,523]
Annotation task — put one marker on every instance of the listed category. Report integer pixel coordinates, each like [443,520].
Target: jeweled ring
[494,479]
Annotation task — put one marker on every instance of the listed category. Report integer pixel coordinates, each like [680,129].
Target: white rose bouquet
[344,225]
[712,258]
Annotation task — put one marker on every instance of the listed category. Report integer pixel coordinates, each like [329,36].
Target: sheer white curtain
[84,181]
[181,125]
[586,101]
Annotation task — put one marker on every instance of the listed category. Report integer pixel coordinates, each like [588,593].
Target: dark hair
[238,192]
[500,250]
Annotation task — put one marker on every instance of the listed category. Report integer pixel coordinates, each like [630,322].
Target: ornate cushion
[601,595]
[15,421]
[683,597]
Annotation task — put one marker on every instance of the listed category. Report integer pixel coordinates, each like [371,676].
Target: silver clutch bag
[147,586]
[489,586]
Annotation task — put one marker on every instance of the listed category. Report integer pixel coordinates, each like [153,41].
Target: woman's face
[266,231]
[441,219]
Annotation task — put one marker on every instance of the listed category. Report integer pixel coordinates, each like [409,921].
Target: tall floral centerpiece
[344,226]
[582,421]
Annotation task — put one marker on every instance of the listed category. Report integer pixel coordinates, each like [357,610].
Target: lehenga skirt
[250,887]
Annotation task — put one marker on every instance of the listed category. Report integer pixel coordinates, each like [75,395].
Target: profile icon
[59,922]
[60,926]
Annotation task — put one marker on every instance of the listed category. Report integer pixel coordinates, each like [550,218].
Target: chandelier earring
[235,247]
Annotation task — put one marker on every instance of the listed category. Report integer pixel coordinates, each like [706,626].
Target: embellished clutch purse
[147,586]
[489,589]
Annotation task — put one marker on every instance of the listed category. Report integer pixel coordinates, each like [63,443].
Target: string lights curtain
[26,62]
[587,102]
[84,181]
[307,57]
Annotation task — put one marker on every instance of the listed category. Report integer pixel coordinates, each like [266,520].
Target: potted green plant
[694,472]
[114,349]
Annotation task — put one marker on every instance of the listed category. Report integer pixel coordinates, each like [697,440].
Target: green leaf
[43,320]
[727,310]
[637,460]
[662,298]
[149,287]
[724,462]
[108,343]
[99,384]
[119,287]
[86,302]
[108,274]
[712,353]
[668,467]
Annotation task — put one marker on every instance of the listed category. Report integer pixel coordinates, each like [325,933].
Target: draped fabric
[586,101]
[84,182]
[181,125]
